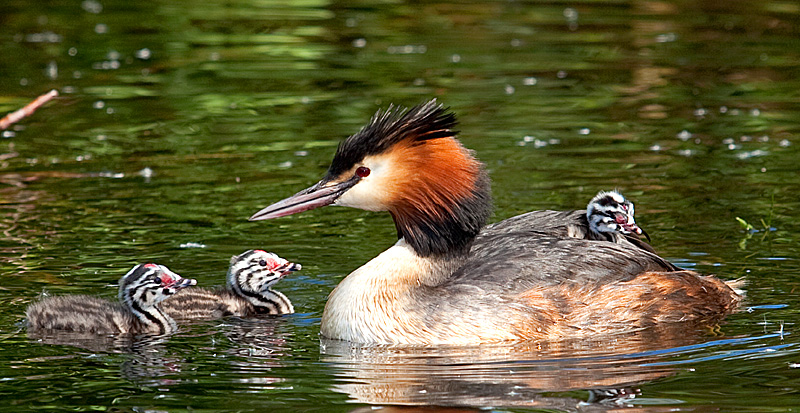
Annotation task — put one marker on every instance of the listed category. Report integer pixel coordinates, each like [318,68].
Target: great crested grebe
[250,278]
[140,292]
[448,281]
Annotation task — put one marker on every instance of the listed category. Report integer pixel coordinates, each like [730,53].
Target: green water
[691,109]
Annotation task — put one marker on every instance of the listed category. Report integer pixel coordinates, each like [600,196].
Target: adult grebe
[140,292]
[446,281]
[251,276]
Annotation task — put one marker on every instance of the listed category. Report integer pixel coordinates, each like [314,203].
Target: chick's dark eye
[262,263]
[362,171]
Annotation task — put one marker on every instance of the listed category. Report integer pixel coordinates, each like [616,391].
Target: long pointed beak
[320,194]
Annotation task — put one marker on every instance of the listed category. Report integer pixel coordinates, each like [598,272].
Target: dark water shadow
[566,375]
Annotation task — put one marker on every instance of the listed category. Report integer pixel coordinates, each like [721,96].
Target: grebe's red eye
[362,171]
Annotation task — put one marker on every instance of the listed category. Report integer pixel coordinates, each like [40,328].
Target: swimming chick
[450,280]
[140,292]
[250,278]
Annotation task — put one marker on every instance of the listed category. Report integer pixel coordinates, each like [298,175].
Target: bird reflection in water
[531,374]
[259,346]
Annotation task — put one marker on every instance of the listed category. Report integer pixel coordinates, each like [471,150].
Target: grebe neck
[444,230]
[151,317]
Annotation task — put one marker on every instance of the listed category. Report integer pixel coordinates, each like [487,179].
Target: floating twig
[28,110]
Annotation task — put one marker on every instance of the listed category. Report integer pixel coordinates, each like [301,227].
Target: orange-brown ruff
[449,280]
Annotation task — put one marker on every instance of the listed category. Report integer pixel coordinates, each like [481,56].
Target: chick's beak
[320,194]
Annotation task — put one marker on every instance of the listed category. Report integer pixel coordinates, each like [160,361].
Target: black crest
[423,122]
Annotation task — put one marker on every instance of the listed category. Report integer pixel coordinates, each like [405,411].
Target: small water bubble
[301,153]
[509,90]
[727,141]
[110,111]
[99,104]
[8,134]
[101,137]
[561,74]
[455,58]
[686,152]
[214,56]
[528,138]
[146,172]
[735,112]
[745,138]
[351,22]
[52,70]
[763,138]
[584,131]
[113,55]
[143,54]
[100,28]
[77,74]
[763,169]
[539,143]
[114,64]
[723,109]
[23,82]
[192,245]
[529,81]
[72,51]
[419,81]
[44,37]
[666,38]
[520,143]
[92,6]
[684,135]
[305,100]
[360,42]
[287,164]
[733,146]
[700,112]
[751,154]
[554,141]
[516,42]
[755,112]
[784,143]
[570,14]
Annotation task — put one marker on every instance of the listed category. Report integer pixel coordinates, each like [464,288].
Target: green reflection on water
[237,104]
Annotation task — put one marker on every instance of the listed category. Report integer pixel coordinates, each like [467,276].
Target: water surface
[178,120]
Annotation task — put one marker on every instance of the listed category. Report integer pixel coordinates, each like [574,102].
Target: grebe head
[611,212]
[255,271]
[146,285]
[407,162]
